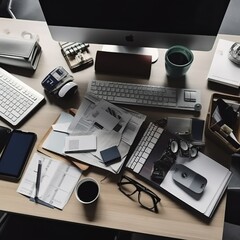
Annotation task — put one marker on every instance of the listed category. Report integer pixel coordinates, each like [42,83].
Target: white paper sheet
[57,180]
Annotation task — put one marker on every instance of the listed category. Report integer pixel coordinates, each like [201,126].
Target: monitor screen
[136,23]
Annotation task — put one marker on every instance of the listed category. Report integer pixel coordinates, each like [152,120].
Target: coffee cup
[178,60]
[87,190]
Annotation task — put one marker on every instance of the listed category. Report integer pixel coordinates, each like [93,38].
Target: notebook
[217,176]
[223,70]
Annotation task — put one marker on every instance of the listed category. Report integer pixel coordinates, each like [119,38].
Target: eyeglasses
[146,198]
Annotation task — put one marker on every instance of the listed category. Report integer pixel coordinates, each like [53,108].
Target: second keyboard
[17,99]
[147,95]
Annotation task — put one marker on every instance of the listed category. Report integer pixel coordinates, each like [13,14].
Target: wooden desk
[113,210]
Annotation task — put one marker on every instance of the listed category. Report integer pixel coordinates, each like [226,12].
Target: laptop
[197,181]
[155,154]
[193,129]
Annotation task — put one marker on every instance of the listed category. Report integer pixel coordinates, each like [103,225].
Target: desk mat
[75,162]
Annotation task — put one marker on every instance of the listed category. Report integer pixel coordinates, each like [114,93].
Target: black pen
[38,180]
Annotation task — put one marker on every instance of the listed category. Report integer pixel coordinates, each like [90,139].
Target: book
[222,69]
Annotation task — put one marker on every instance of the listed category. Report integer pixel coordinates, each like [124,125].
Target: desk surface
[113,209]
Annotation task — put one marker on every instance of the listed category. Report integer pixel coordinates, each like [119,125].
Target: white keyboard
[144,147]
[147,95]
[17,100]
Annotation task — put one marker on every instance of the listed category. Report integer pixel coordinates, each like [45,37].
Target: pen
[39,170]
[38,181]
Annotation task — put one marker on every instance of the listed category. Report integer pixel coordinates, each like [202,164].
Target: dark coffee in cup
[178,60]
[87,190]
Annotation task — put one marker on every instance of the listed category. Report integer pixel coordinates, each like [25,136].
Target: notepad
[82,143]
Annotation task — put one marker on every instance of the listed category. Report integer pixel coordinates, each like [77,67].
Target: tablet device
[15,154]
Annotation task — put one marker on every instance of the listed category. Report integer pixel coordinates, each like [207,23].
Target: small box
[110,155]
[221,136]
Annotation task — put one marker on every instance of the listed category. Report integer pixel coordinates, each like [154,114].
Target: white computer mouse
[68,89]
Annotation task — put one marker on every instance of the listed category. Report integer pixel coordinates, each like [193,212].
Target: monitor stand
[133,50]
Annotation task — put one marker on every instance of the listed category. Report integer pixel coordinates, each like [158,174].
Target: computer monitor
[136,23]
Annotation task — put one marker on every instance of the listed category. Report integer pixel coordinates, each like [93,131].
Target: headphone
[59,83]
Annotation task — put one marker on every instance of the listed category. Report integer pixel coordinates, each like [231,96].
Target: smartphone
[15,154]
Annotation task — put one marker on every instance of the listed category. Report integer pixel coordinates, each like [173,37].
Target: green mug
[178,60]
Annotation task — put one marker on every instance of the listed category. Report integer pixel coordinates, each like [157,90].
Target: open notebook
[217,176]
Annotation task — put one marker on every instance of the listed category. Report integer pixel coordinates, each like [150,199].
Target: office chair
[232,214]
[23,227]
[24,9]
[5,9]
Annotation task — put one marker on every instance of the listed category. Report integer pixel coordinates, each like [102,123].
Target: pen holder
[220,132]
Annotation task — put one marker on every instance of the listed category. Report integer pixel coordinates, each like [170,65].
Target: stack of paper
[222,69]
[112,126]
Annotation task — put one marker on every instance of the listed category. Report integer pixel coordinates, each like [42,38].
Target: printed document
[57,180]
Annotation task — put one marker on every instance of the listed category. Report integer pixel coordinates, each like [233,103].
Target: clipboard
[77,163]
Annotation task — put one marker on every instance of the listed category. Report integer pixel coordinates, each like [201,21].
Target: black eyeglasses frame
[139,188]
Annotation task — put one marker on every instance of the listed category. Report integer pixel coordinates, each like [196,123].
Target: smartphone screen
[16,154]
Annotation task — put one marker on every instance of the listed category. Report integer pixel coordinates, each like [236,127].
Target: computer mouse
[67,90]
[189,179]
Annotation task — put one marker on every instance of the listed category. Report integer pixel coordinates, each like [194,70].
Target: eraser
[110,155]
